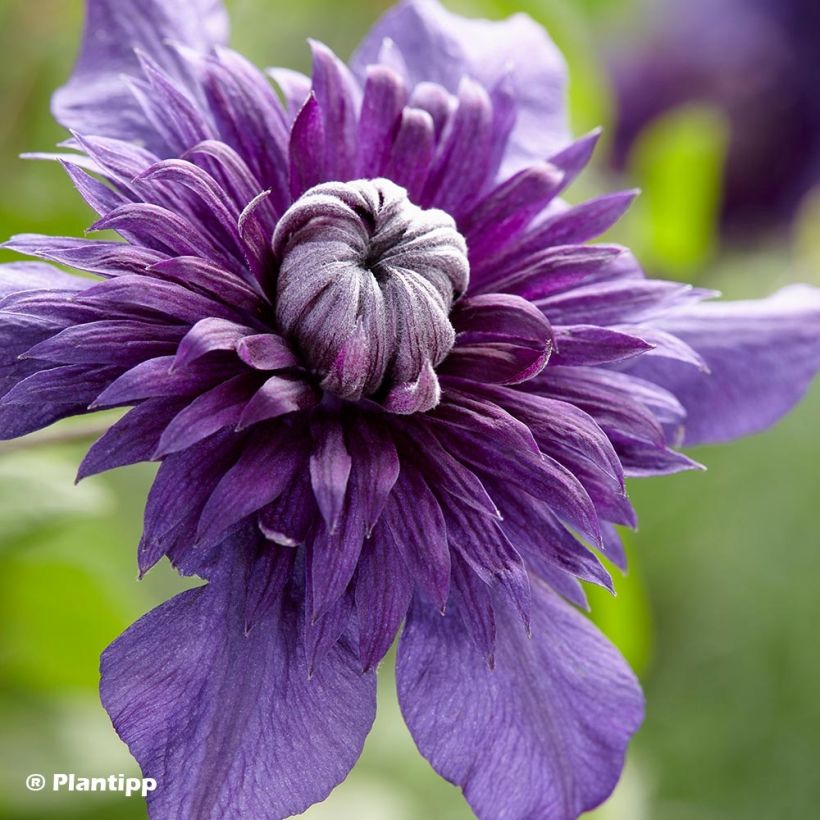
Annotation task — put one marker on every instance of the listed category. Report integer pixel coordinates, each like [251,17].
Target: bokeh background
[712,107]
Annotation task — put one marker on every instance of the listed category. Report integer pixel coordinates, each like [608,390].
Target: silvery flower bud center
[365,285]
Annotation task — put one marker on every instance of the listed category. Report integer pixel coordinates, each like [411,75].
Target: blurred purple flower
[759,61]
[387,380]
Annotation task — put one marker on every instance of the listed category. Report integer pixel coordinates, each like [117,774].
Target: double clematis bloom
[388,381]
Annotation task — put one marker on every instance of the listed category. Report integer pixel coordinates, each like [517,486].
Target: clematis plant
[388,380]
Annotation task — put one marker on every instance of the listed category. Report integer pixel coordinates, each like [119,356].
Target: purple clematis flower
[388,380]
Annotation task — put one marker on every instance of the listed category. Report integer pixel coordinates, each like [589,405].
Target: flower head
[388,379]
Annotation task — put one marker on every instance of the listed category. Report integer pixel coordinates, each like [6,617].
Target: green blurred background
[718,614]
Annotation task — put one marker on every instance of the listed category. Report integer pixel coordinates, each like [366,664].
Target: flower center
[365,285]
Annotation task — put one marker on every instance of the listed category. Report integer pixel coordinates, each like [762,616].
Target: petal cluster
[389,377]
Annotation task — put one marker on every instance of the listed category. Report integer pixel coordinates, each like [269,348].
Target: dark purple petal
[157,378]
[575,157]
[49,395]
[132,439]
[411,156]
[619,404]
[183,484]
[330,466]
[509,208]
[487,551]
[473,601]
[582,222]
[278,396]
[462,167]
[294,85]
[229,722]
[322,632]
[544,733]
[114,342]
[413,526]
[543,541]
[547,271]
[447,473]
[266,465]
[539,474]
[98,196]
[267,578]
[169,106]
[206,336]
[384,588]
[307,139]
[290,519]
[266,351]
[592,344]
[250,119]
[375,453]
[200,275]
[219,407]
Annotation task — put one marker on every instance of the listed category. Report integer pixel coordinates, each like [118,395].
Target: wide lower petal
[544,733]
[762,355]
[228,724]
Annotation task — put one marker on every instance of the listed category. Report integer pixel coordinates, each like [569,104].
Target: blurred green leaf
[625,618]
[56,619]
[807,239]
[37,488]
[678,163]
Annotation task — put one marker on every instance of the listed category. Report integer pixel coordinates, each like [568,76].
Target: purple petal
[307,139]
[338,95]
[413,526]
[442,47]
[183,484]
[131,439]
[219,407]
[412,153]
[121,342]
[229,722]
[291,517]
[206,336]
[544,733]
[266,351]
[509,208]
[591,345]
[49,395]
[762,356]
[156,378]
[94,256]
[96,100]
[278,396]
[487,551]
[294,85]
[382,105]
[330,465]
[19,277]
[265,467]
[462,166]
[384,588]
